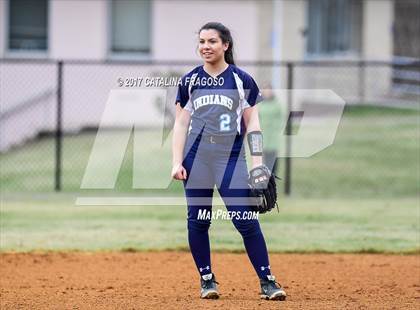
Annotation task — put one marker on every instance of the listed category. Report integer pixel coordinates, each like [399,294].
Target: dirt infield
[168,280]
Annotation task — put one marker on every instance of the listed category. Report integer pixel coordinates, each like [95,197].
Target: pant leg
[198,237]
[232,182]
[199,194]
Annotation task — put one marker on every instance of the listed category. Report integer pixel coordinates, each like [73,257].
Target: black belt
[219,139]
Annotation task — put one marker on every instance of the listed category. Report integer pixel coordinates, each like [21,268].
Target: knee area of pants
[247,228]
[198,225]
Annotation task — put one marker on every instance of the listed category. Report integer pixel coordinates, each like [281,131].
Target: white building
[165,30]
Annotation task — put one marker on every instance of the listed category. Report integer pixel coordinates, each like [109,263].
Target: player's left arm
[254,134]
[261,181]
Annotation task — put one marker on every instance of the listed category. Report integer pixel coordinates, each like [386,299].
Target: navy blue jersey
[216,104]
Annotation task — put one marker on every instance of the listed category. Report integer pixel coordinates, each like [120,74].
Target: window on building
[28,25]
[334,26]
[131,26]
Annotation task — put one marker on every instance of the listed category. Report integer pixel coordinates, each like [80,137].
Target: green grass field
[359,195]
[53,222]
[375,155]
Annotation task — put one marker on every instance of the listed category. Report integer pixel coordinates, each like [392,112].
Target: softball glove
[262,183]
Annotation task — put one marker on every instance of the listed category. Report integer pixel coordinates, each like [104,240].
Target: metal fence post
[362,81]
[288,160]
[58,129]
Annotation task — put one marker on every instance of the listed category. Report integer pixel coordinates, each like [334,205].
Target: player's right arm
[182,122]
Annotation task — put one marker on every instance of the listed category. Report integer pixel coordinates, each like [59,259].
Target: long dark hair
[226,37]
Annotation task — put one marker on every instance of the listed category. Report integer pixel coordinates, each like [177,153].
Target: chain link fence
[51,112]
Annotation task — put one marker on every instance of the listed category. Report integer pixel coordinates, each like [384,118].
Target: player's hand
[179,172]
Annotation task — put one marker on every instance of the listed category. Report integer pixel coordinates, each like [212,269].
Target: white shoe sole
[210,295]
[276,296]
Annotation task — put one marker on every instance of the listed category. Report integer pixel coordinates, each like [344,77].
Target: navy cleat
[209,287]
[271,290]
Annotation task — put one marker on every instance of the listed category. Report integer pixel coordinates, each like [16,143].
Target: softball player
[215,111]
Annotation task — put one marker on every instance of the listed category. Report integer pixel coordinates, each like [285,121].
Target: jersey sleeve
[182,96]
[252,92]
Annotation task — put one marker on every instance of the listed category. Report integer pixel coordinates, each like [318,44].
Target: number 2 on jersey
[224,122]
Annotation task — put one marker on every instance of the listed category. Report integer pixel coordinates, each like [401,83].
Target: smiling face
[211,47]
